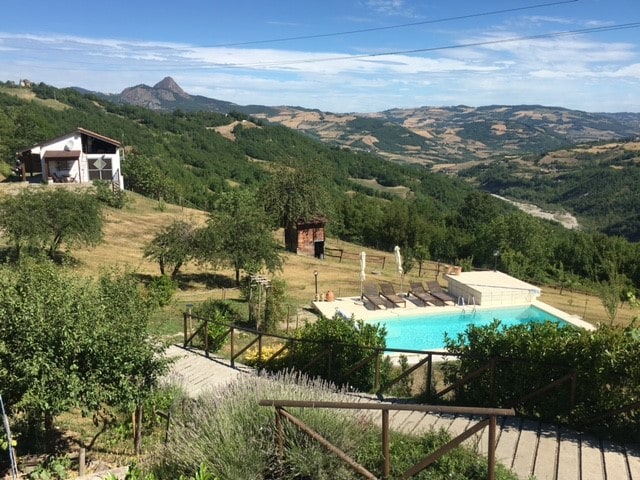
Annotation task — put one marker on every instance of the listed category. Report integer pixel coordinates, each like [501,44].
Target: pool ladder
[463,305]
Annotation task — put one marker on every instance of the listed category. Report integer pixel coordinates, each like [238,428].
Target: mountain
[441,137]
[454,135]
[166,95]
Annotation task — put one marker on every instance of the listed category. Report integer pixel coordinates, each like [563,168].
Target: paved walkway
[526,447]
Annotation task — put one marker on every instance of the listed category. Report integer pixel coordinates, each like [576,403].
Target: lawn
[127,231]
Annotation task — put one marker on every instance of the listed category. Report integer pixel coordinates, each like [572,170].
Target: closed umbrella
[363,262]
[396,251]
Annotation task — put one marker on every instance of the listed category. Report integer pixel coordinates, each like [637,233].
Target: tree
[421,254]
[144,176]
[238,234]
[67,342]
[45,219]
[293,196]
[172,247]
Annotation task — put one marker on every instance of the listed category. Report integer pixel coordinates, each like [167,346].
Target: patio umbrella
[363,262]
[396,252]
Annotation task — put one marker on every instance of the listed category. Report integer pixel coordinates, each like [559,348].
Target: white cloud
[558,71]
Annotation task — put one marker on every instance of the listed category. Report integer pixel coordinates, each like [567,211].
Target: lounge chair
[418,291]
[388,292]
[370,292]
[436,290]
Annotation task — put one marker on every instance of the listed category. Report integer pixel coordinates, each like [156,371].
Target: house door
[318,249]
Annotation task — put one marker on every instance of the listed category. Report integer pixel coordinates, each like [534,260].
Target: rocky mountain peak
[168,83]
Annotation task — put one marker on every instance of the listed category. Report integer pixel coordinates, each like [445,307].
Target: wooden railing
[490,413]
[560,377]
[324,358]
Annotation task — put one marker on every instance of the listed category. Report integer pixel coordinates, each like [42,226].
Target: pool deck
[347,307]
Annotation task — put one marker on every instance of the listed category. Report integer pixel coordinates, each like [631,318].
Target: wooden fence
[342,254]
[490,413]
[324,358]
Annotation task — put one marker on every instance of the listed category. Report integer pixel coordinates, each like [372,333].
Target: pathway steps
[526,447]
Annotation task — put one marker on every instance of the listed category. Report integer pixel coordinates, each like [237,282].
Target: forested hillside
[191,158]
[596,182]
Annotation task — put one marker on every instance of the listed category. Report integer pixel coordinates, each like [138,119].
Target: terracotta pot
[330,297]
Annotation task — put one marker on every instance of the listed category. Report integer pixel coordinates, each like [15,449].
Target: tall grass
[228,432]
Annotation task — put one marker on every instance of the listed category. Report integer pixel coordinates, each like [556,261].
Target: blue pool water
[427,332]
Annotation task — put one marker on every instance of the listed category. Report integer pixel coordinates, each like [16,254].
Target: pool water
[426,332]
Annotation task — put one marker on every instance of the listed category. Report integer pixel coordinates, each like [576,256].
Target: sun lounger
[436,290]
[388,292]
[370,292]
[418,291]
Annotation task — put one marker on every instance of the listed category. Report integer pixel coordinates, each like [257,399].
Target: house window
[95,145]
[100,168]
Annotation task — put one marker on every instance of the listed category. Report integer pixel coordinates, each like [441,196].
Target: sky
[336,55]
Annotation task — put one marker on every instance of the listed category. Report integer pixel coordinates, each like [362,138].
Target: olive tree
[291,196]
[172,247]
[44,219]
[238,234]
[69,342]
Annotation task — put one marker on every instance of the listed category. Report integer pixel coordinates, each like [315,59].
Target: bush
[346,343]
[533,355]
[220,314]
[106,194]
[162,290]
[235,438]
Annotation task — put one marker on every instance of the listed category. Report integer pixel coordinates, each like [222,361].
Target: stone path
[526,447]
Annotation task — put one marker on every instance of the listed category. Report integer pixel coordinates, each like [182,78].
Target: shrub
[226,432]
[161,290]
[533,355]
[220,314]
[254,358]
[345,343]
[106,194]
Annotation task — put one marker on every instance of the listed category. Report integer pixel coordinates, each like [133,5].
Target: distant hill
[166,95]
[437,136]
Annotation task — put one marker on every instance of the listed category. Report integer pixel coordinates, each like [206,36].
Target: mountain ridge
[433,136]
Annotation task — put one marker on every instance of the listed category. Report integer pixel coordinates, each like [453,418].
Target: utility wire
[391,27]
[216,66]
[583,31]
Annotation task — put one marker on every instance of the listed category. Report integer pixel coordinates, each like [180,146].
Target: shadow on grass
[188,281]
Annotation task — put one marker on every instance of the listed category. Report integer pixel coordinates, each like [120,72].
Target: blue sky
[336,55]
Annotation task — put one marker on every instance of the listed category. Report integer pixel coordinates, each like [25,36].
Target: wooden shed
[308,237]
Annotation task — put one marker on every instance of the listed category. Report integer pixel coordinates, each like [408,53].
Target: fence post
[206,338]
[186,335]
[233,361]
[491,473]
[385,444]
[429,375]
[280,433]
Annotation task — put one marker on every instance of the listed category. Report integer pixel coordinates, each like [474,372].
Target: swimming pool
[426,332]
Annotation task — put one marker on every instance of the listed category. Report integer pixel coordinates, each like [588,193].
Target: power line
[447,47]
[391,27]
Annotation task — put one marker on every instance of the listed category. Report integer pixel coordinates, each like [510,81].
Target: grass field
[127,230]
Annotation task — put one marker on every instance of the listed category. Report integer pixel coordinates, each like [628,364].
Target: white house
[80,156]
